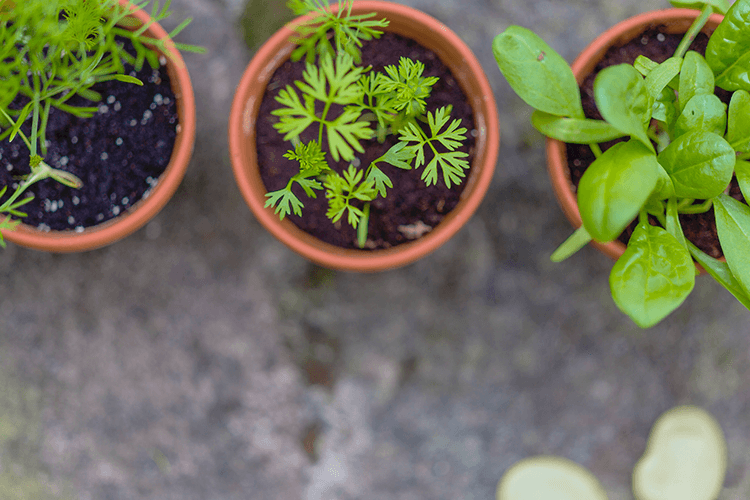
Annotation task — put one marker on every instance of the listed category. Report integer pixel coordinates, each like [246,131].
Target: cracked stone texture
[201,359]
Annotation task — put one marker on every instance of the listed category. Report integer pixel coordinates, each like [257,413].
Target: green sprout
[374,105]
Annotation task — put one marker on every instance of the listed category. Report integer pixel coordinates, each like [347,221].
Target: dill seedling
[52,50]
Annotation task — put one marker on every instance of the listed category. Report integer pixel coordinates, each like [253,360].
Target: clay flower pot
[676,21]
[144,210]
[433,35]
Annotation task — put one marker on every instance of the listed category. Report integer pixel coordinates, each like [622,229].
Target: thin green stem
[697,209]
[595,149]
[643,216]
[362,225]
[695,28]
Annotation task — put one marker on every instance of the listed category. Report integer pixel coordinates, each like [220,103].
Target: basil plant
[683,147]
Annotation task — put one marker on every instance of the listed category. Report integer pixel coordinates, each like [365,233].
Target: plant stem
[595,149]
[695,28]
[362,226]
[697,209]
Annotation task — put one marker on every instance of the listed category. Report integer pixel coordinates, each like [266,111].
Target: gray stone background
[200,359]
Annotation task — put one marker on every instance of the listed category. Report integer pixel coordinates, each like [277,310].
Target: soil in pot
[119,153]
[658,46]
[410,208]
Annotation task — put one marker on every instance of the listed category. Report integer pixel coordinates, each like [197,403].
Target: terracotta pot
[433,35]
[676,21]
[141,212]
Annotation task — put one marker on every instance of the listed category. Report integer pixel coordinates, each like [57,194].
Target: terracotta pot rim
[556,155]
[145,209]
[273,53]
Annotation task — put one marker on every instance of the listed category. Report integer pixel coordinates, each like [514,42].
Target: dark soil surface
[410,207]
[119,153]
[698,228]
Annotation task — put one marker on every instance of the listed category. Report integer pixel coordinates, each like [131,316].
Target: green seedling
[52,50]
[685,457]
[374,105]
[683,147]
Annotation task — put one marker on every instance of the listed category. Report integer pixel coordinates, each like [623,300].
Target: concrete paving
[199,359]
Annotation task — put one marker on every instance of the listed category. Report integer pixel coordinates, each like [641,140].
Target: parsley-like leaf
[380,179]
[281,199]
[335,82]
[341,190]
[407,87]
[310,157]
[345,132]
[452,163]
[399,156]
[295,117]
[349,31]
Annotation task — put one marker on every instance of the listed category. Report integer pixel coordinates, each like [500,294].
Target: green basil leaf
[700,164]
[664,188]
[623,100]
[644,65]
[696,78]
[733,226]
[719,6]
[737,77]
[653,277]
[738,123]
[574,130]
[658,79]
[728,50]
[665,108]
[720,272]
[614,188]
[702,112]
[742,171]
[538,74]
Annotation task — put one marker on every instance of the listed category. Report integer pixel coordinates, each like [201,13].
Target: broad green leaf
[685,457]
[614,188]
[653,277]
[575,242]
[644,65]
[720,272]
[728,50]
[549,478]
[665,108]
[742,171]
[733,226]
[699,163]
[574,130]
[623,101]
[719,6]
[538,74]
[664,186]
[659,77]
[737,77]
[703,112]
[738,123]
[696,78]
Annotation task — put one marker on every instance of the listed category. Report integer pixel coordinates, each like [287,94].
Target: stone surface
[200,359]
